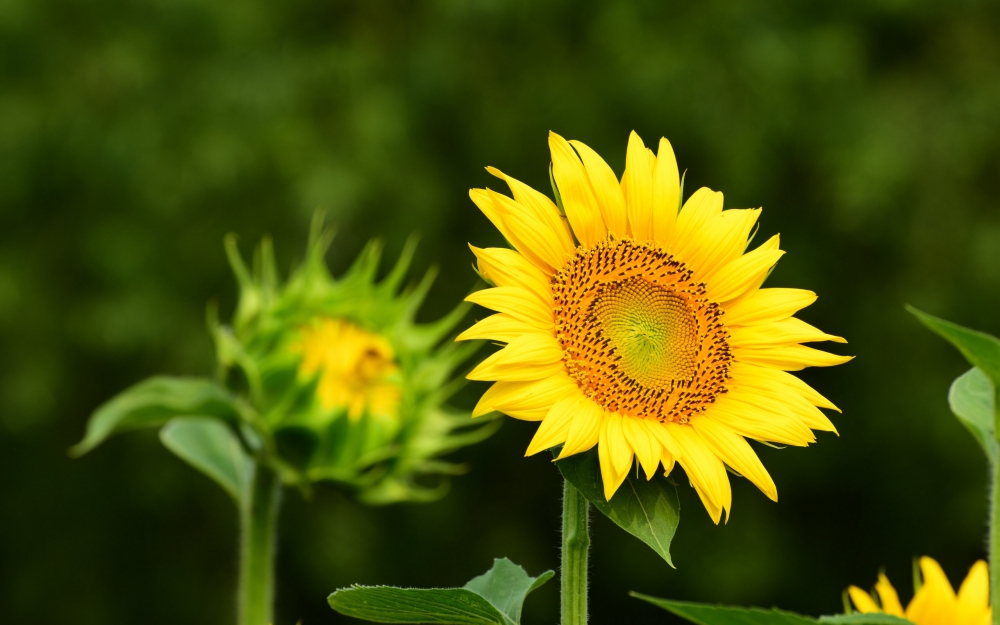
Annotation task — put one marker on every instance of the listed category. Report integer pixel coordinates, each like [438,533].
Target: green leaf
[971,399]
[864,619]
[979,348]
[494,598]
[386,604]
[212,447]
[647,509]
[505,586]
[983,352]
[705,614]
[153,402]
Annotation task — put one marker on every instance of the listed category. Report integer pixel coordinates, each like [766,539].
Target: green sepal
[154,402]
[493,598]
[647,509]
[707,614]
[971,398]
[213,448]
[983,352]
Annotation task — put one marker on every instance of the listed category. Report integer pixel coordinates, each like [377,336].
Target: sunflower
[935,603]
[641,328]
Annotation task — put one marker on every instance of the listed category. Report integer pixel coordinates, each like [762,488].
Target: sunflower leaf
[864,619]
[153,402]
[707,614]
[971,398]
[983,352]
[493,598]
[979,348]
[647,509]
[212,447]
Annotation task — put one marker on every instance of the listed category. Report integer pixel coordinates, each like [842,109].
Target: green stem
[575,544]
[995,543]
[258,521]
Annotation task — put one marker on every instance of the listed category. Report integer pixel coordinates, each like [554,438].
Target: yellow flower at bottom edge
[641,329]
[936,602]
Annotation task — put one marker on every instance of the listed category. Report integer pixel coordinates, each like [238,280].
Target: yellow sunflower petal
[935,602]
[637,187]
[781,399]
[528,228]
[481,198]
[722,240]
[606,190]
[529,401]
[499,327]
[577,197]
[974,595]
[666,194]
[659,431]
[554,427]
[614,454]
[778,333]
[621,452]
[767,305]
[668,460]
[585,428]
[646,446]
[702,206]
[506,267]
[484,201]
[788,357]
[888,596]
[528,357]
[516,302]
[736,452]
[766,377]
[862,601]
[540,204]
[753,422]
[714,510]
[702,466]
[744,275]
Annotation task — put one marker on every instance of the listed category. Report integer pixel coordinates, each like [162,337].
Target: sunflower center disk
[639,336]
[651,328]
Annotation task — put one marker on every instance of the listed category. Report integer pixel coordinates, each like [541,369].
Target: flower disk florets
[640,337]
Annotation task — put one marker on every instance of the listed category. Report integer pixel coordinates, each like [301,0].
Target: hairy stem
[258,521]
[995,543]
[575,545]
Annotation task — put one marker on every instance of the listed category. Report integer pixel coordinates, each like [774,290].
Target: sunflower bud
[345,386]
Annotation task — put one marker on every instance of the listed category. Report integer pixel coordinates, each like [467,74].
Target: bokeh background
[135,134]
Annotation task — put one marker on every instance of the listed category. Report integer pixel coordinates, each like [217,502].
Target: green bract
[268,405]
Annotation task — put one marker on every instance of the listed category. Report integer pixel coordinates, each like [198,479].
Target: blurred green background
[134,135]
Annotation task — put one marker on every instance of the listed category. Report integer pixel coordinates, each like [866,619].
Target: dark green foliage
[971,398]
[493,598]
[973,395]
[705,614]
[154,402]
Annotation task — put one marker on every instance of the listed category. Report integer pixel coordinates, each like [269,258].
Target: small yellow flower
[641,329]
[936,602]
[355,368]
